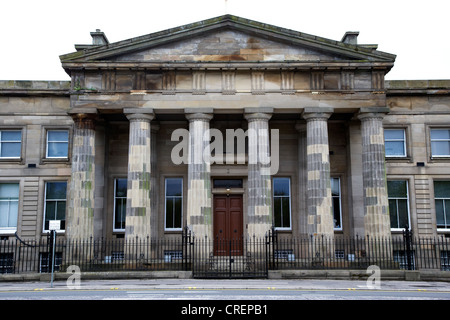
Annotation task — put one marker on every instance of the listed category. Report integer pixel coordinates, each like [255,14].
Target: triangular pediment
[226,38]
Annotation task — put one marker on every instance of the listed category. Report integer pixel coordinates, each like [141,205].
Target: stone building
[120,150]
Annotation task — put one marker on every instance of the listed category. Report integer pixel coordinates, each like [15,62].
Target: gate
[230,258]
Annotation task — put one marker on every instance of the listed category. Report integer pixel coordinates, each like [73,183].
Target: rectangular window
[442,204]
[9,207]
[10,143]
[55,203]
[174,203]
[440,142]
[395,142]
[282,203]
[336,202]
[57,143]
[398,203]
[120,204]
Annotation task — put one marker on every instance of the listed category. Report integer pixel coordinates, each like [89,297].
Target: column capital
[199,116]
[139,114]
[372,113]
[317,113]
[258,116]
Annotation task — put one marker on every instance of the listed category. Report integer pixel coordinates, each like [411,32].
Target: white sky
[33,33]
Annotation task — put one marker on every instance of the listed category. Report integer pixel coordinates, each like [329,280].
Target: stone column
[376,205]
[137,223]
[259,213]
[199,205]
[320,215]
[80,215]
[302,179]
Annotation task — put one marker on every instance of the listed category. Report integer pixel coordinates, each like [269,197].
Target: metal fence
[237,258]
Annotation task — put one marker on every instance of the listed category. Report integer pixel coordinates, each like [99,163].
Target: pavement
[295,284]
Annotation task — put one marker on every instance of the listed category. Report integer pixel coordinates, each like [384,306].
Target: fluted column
[302,179]
[199,207]
[137,223]
[80,215]
[320,215]
[259,182]
[376,205]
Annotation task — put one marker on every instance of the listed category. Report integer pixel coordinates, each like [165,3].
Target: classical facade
[228,127]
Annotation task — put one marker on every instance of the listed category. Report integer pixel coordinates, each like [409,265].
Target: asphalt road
[197,290]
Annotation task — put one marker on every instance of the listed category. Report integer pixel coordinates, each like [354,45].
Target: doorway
[228,225]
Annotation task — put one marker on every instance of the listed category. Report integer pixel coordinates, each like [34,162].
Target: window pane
[442,189]
[394,134]
[440,222]
[440,134]
[9,190]
[178,212]
[397,189]
[336,212]
[121,187]
[50,210]
[285,212]
[227,183]
[61,210]
[394,148]
[57,149]
[440,148]
[277,212]
[11,135]
[174,187]
[13,210]
[4,207]
[393,213]
[58,136]
[120,214]
[281,186]
[335,186]
[402,213]
[56,190]
[169,213]
[10,149]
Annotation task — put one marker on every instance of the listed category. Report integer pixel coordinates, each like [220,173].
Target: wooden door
[228,225]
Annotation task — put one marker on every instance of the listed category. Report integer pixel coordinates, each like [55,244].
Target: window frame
[447,223]
[115,208]
[340,204]
[47,142]
[165,203]
[396,202]
[21,143]
[11,230]
[290,204]
[430,129]
[56,200]
[405,149]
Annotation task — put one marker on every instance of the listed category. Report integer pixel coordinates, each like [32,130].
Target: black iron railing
[236,258]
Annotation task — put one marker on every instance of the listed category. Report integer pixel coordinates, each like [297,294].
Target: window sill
[55,160]
[398,159]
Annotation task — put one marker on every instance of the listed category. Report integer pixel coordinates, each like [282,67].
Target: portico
[178,81]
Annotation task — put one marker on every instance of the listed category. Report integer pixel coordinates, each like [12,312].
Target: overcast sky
[34,33]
